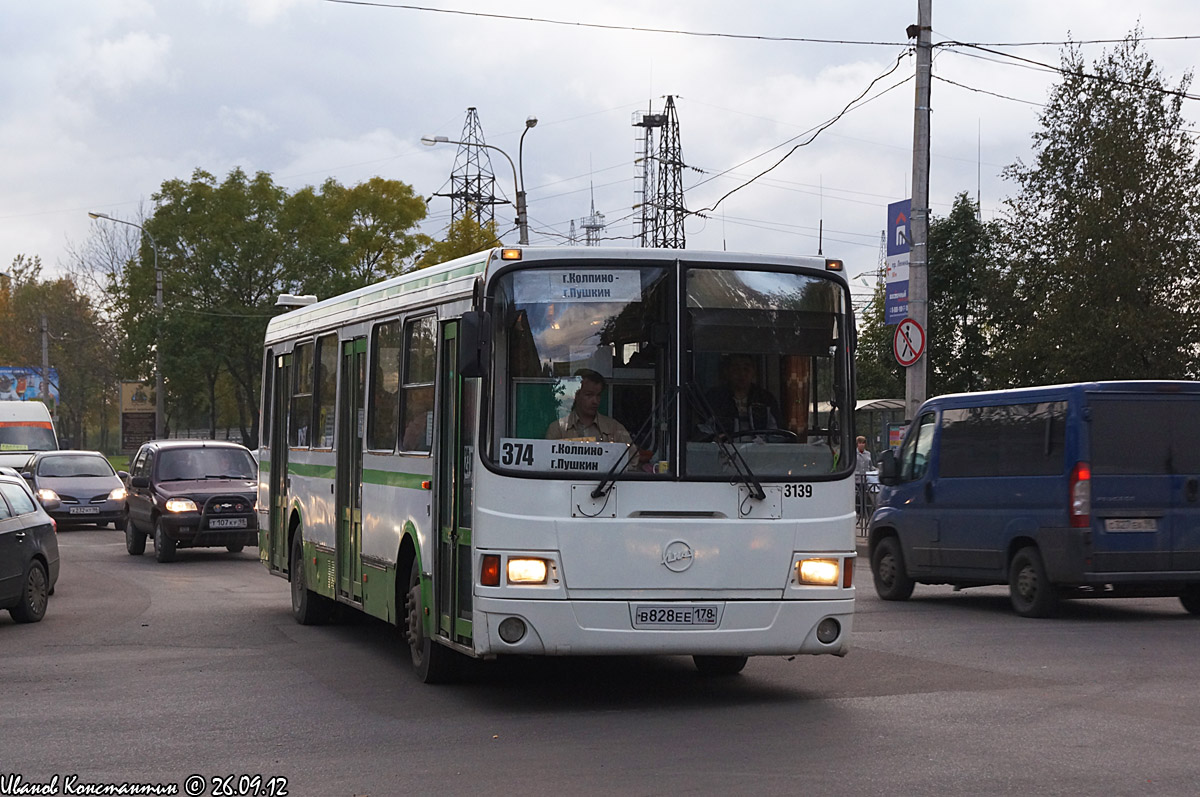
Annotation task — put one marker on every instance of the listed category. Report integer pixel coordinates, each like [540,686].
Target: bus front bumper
[598,628]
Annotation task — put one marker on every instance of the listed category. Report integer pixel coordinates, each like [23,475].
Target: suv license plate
[84,510]
[1130,524]
[227,523]
[699,615]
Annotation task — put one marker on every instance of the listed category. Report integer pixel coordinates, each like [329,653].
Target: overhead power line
[628,28]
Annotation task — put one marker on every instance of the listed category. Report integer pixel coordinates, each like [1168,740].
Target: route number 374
[797,491]
[516,454]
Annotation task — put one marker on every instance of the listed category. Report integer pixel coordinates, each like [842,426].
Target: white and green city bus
[406,469]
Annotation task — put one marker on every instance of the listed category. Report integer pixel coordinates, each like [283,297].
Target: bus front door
[349,469]
[277,544]
[459,402]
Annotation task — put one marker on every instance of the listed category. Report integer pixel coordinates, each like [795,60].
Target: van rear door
[1145,473]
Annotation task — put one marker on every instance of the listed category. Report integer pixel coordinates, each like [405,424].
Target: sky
[104,100]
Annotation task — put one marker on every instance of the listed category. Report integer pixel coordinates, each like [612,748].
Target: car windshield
[205,463]
[78,466]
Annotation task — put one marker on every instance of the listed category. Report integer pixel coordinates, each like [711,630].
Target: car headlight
[181,505]
[46,494]
[117,494]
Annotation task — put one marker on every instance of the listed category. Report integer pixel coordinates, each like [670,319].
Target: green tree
[962,284]
[465,236]
[1103,240]
[226,250]
[878,374]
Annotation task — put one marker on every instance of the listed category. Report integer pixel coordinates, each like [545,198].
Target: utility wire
[810,139]
[630,28]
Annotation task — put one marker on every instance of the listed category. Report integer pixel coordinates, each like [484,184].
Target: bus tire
[164,546]
[135,540]
[720,665]
[1029,588]
[433,663]
[308,607]
[887,568]
[1191,598]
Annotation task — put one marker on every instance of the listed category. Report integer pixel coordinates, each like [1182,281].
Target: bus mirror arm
[475,343]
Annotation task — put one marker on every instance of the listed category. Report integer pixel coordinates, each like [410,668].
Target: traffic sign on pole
[908,343]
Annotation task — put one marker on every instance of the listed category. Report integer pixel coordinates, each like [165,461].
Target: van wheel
[308,607]
[434,663]
[1191,598]
[164,546]
[887,566]
[1029,588]
[35,595]
[719,665]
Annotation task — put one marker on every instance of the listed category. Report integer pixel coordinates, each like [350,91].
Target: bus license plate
[666,616]
[1130,524]
[84,510]
[227,523]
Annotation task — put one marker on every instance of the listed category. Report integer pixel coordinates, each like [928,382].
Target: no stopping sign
[908,343]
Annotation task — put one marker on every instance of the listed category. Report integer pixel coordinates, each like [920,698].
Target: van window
[1005,440]
[914,456]
[1133,436]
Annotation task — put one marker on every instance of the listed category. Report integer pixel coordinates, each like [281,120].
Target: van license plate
[1130,524]
[84,510]
[688,616]
[227,523]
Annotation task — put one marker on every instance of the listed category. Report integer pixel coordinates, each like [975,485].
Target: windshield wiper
[607,482]
[727,448]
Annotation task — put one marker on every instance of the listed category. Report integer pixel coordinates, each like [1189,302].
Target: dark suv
[191,494]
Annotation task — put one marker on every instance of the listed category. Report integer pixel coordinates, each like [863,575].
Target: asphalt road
[148,673]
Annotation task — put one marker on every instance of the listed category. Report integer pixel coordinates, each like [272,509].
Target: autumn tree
[465,236]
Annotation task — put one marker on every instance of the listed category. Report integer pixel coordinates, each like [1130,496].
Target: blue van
[1086,490]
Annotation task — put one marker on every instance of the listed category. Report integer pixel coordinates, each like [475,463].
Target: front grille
[228,505]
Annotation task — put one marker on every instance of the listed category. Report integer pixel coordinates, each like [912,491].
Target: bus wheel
[1191,598]
[308,607]
[1030,590]
[887,566]
[434,663]
[719,665]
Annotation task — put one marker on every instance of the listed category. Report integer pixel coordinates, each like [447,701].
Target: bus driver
[584,421]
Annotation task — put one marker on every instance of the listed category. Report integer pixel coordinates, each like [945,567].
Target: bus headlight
[527,571]
[817,571]
[181,505]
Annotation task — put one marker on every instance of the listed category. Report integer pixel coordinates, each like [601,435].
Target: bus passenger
[584,421]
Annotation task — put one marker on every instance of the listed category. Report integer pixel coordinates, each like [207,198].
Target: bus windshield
[653,371]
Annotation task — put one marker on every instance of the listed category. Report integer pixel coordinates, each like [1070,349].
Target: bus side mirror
[474,343]
[889,470]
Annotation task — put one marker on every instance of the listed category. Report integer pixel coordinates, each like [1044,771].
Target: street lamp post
[518,177]
[159,395]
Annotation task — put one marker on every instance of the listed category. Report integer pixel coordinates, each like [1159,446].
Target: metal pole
[918,291]
[522,214]
[45,362]
[159,393]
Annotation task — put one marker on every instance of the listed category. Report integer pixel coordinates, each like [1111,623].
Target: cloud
[120,65]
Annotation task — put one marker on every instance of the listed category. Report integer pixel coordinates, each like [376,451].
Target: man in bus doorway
[585,421]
